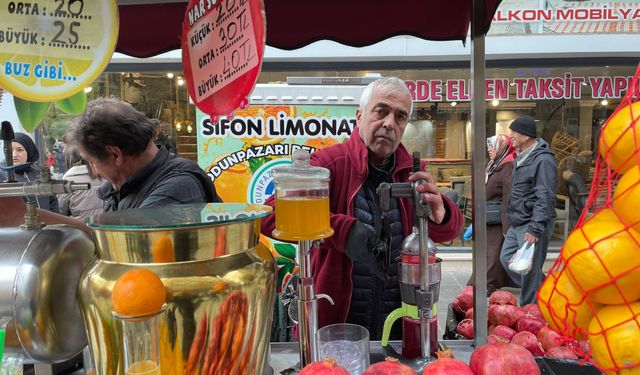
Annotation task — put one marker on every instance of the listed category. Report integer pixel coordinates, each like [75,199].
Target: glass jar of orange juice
[302,200]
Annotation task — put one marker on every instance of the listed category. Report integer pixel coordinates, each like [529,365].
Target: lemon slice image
[52,49]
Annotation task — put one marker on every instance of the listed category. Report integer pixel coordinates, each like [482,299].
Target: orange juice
[302,218]
[144,368]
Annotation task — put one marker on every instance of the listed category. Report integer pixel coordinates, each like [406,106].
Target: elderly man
[532,205]
[117,141]
[345,266]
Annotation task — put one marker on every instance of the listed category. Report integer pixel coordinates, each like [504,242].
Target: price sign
[222,50]
[51,49]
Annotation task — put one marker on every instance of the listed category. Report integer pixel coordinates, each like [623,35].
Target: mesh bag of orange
[592,292]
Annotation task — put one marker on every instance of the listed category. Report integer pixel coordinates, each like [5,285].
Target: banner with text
[239,153]
[568,86]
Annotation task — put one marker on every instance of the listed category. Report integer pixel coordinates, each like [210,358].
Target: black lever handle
[7,135]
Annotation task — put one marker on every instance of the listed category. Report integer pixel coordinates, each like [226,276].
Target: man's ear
[358,115]
[117,154]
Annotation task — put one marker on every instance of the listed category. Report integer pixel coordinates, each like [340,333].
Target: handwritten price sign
[52,49]
[222,50]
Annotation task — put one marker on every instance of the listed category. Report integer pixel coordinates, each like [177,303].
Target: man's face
[517,139]
[107,168]
[382,123]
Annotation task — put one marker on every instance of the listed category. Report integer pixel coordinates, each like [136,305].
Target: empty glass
[347,344]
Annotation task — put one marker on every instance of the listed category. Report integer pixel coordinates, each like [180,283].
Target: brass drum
[220,286]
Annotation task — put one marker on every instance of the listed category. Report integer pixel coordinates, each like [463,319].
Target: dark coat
[533,190]
[498,189]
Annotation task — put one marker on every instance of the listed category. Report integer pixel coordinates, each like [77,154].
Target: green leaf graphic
[286,250]
[29,113]
[73,105]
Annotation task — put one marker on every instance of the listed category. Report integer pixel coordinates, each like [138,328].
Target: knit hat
[525,125]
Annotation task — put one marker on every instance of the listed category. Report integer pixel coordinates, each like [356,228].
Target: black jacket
[533,190]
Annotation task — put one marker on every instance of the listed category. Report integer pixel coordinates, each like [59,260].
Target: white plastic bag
[523,258]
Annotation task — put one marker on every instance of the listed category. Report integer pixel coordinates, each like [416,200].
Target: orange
[614,337]
[233,183]
[603,259]
[626,198]
[617,143]
[138,292]
[563,306]
[162,251]
[320,143]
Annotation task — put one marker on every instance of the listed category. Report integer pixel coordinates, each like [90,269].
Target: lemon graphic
[52,49]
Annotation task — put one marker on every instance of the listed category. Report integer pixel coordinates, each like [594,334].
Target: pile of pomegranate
[508,323]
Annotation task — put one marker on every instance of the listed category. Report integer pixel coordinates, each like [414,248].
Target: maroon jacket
[348,166]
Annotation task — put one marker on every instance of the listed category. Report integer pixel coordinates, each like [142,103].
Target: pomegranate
[549,338]
[528,341]
[464,300]
[465,328]
[502,297]
[580,348]
[561,352]
[503,359]
[469,313]
[533,310]
[447,365]
[495,339]
[505,315]
[530,323]
[327,366]
[503,331]
[390,366]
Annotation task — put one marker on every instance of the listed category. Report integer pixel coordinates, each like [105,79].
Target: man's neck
[527,145]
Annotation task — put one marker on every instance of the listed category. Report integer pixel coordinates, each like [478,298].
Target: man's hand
[430,194]
[13,210]
[530,238]
[363,246]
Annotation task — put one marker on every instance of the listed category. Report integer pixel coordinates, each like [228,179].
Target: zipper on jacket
[377,302]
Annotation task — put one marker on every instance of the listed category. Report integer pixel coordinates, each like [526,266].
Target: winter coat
[81,204]
[348,166]
[533,190]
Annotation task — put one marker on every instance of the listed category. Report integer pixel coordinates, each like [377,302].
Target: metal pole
[425,311]
[478,162]
[307,305]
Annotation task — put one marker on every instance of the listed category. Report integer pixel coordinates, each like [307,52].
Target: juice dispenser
[219,280]
[302,214]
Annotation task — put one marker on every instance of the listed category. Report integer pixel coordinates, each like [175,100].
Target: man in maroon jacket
[346,267]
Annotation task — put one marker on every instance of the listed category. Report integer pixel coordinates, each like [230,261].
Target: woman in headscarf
[498,183]
[25,153]
[498,180]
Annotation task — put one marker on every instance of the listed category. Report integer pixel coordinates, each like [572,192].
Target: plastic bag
[522,260]
[468,233]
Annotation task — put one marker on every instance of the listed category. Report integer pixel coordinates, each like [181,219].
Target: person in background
[498,184]
[116,141]
[51,161]
[80,204]
[532,204]
[346,266]
[25,153]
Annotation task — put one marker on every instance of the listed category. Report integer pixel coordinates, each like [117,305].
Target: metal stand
[307,305]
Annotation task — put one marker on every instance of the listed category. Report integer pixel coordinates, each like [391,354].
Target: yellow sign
[52,49]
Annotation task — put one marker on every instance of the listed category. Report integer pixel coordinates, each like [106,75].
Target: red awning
[150,29]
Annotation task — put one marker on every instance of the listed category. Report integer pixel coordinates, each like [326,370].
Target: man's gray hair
[386,85]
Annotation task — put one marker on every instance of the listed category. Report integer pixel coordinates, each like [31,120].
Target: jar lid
[300,170]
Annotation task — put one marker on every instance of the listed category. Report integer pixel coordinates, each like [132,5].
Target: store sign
[222,50]
[626,12]
[567,86]
[240,153]
[51,50]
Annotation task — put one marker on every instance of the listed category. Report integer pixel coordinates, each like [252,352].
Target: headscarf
[505,153]
[32,151]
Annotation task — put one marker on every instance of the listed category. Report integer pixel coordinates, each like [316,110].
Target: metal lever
[7,137]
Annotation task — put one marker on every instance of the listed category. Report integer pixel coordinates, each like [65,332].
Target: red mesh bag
[592,292]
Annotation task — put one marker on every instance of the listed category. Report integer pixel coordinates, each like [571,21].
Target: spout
[40,188]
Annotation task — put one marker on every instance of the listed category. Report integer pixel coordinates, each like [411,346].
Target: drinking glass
[347,344]
[141,345]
